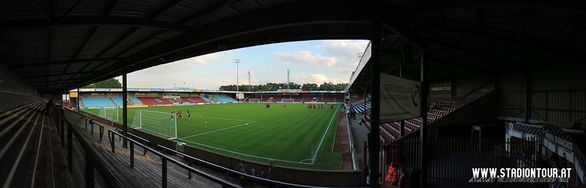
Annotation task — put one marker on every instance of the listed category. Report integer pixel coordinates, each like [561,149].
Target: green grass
[280,136]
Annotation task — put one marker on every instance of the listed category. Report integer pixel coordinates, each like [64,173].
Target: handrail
[91,159]
[165,158]
[238,173]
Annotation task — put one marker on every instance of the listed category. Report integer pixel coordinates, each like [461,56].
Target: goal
[288,100]
[162,124]
[253,100]
[111,113]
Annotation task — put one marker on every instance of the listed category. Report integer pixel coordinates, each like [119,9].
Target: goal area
[287,100]
[162,124]
[109,113]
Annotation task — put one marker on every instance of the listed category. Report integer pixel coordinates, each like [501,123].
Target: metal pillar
[404,56]
[528,96]
[124,106]
[237,61]
[69,149]
[77,100]
[423,145]
[164,172]
[373,136]
[89,171]
[402,129]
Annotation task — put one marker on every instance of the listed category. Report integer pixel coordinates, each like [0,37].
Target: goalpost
[288,100]
[162,124]
[111,113]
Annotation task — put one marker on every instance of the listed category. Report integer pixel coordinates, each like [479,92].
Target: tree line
[326,86]
[109,83]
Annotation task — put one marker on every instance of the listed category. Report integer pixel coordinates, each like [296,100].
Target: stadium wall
[287,174]
[557,96]
[482,110]
[469,87]
[14,91]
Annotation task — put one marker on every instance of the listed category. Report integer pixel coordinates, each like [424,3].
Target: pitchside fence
[451,159]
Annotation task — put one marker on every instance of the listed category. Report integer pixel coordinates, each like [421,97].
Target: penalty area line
[217,130]
[244,154]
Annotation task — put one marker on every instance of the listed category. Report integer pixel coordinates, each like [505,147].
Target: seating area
[207,99]
[134,100]
[153,101]
[361,106]
[31,153]
[97,101]
[438,108]
[225,99]
[198,100]
[117,100]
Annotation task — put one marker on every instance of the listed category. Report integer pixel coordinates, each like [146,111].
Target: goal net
[111,114]
[162,124]
[254,100]
[288,100]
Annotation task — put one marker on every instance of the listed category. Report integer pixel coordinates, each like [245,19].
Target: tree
[109,83]
[309,87]
[340,86]
[326,86]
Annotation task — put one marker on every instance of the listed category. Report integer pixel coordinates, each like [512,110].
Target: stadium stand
[198,100]
[439,108]
[187,100]
[153,101]
[31,154]
[134,100]
[531,50]
[225,99]
[117,100]
[207,99]
[97,101]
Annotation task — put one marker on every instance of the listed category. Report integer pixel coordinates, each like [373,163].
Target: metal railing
[250,178]
[92,161]
[164,160]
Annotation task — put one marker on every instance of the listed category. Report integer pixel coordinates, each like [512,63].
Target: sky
[314,61]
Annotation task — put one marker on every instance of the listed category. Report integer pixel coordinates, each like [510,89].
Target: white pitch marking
[247,155]
[324,136]
[216,130]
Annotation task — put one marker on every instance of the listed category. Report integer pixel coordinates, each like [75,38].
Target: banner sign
[400,98]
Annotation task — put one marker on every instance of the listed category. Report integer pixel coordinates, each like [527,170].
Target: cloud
[318,79]
[345,48]
[305,58]
[205,58]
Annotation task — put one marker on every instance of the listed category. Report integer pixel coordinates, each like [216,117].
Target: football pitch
[294,136]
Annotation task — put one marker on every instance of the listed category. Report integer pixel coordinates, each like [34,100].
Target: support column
[423,145]
[373,136]
[77,100]
[404,56]
[124,106]
[528,96]
[402,129]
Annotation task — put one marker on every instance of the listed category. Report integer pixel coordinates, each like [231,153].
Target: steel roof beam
[84,21]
